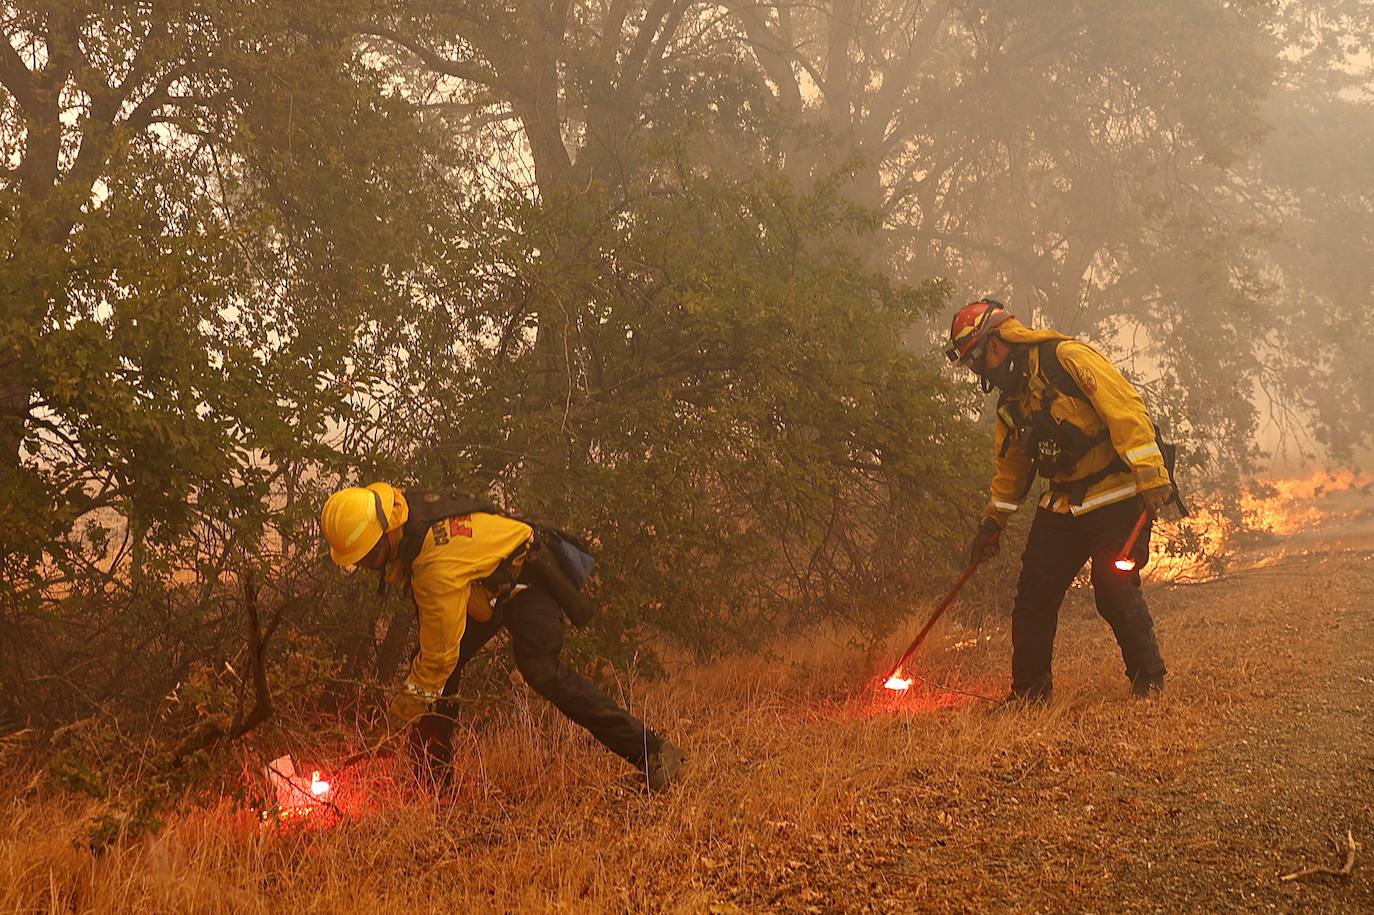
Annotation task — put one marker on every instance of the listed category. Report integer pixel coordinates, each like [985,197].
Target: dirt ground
[1260,754]
[808,794]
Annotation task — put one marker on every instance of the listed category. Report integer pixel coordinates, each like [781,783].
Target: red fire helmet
[970,329]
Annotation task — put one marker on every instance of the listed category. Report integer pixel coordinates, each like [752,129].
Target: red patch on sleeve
[458,526]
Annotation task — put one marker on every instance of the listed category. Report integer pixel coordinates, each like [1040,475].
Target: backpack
[428,507]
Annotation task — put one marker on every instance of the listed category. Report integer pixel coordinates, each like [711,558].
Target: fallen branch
[374,750]
[222,727]
[952,689]
[1350,847]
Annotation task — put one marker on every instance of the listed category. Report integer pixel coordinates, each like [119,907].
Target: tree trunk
[537,108]
[15,391]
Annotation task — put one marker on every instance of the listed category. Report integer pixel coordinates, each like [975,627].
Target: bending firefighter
[1066,414]
[472,570]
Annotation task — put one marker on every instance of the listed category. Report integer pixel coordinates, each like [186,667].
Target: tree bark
[15,391]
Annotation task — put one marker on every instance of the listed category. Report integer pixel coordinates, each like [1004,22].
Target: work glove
[1155,499]
[406,707]
[986,542]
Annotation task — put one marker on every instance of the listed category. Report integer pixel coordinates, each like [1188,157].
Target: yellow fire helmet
[354,519]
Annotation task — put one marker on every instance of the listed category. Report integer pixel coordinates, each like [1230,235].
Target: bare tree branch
[472,71]
[17,78]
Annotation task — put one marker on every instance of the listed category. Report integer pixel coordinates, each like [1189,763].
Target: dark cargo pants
[1058,546]
[535,622]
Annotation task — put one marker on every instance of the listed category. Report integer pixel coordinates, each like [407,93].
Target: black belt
[503,579]
[1077,490]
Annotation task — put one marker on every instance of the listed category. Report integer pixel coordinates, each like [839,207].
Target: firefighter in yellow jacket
[1065,413]
[472,571]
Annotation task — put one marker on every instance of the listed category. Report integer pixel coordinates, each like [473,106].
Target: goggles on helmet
[970,343]
[973,356]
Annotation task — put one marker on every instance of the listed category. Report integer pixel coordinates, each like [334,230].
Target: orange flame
[318,787]
[297,799]
[1281,508]
[897,683]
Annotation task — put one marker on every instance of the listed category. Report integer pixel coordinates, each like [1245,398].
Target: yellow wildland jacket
[1112,405]
[457,552]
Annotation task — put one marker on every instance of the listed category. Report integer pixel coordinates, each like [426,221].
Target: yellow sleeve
[443,615]
[1118,403]
[1011,477]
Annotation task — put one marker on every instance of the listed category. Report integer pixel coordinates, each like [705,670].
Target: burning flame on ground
[296,798]
[901,695]
[1279,507]
[318,787]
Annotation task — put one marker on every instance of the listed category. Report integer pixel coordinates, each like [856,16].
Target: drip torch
[897,681]
[1124,560]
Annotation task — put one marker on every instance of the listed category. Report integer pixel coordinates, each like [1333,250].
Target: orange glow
[297,799]
[1291,506]
[897,683]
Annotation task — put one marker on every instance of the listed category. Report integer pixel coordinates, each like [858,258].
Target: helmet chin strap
[1011,376]
[1018,369]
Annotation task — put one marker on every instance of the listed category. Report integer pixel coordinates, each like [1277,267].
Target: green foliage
[740,427]
[190,267]
[113,827]
[1078,160]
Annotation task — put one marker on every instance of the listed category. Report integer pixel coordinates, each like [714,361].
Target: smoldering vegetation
[666,272]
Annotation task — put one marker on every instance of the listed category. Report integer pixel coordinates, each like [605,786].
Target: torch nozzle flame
[1125,565]
[898,683]
[318,787]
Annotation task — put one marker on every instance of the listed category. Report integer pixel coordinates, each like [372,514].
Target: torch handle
[1135,535]
[934,617]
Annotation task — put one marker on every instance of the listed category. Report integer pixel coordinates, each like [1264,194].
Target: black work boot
[431,750]
[665,765]
[1147,687]
[1037,693]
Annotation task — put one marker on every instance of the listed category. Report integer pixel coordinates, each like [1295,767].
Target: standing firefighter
[471,571]
[1065,413]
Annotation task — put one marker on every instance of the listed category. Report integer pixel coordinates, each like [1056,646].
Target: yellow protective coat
[1114,405]
[456,553]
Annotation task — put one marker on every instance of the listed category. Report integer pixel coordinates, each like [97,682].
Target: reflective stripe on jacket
[1113,404]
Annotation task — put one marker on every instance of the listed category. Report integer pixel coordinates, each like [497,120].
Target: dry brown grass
[807,792]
